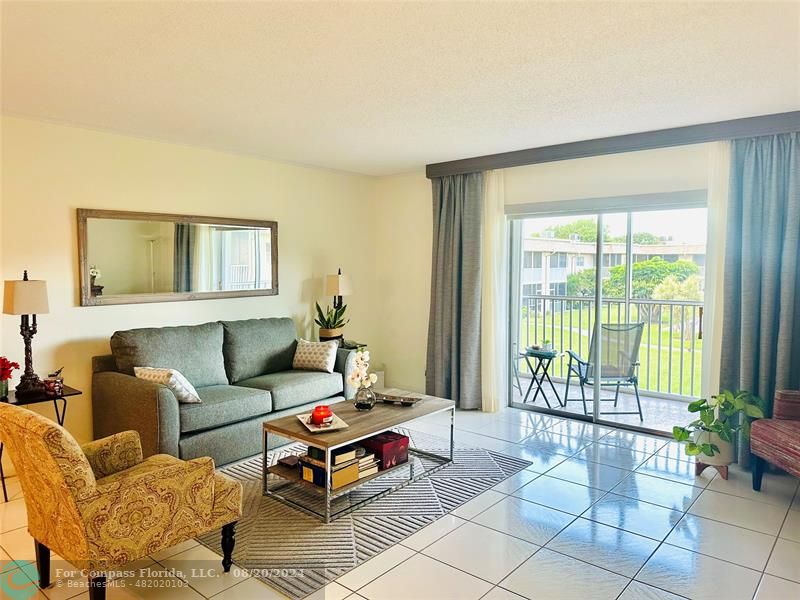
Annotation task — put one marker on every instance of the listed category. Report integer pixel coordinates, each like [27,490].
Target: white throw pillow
[315,356]
[180,386]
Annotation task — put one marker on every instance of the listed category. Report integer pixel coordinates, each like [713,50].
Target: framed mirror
[134,257]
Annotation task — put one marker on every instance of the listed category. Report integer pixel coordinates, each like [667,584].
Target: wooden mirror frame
[83,257]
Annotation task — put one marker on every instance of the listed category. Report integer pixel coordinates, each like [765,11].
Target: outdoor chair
[620,357]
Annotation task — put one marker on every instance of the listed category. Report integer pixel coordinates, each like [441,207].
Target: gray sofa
[242,371]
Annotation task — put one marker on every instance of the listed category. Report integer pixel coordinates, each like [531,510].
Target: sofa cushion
[255,347]
[293,388]
[195,351]
[224,404]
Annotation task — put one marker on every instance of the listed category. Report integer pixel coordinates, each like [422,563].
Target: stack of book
[367,465]
[344,466]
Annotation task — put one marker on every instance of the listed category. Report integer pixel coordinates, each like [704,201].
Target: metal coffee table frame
[327,516]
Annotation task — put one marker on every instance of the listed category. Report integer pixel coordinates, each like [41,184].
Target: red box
[389,447]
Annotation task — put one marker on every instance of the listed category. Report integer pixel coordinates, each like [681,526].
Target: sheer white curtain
[718,183]
[494,322]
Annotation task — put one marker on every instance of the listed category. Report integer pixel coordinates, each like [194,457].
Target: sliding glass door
[651,267]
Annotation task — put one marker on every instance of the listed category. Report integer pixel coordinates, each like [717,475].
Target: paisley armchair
[102,505]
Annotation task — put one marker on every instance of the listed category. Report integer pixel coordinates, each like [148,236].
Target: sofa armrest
[345,364]
[114,453]
[786,405]
[122,402]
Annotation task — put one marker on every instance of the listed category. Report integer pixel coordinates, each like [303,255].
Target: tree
[644,238]
[645,277]
[585,229]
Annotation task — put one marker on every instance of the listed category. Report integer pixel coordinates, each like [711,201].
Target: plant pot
[721,458]
[330,334]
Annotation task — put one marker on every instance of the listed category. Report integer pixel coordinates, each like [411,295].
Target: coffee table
[361,425]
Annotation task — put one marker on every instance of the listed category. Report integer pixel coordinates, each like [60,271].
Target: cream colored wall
[402,257]
[324,217]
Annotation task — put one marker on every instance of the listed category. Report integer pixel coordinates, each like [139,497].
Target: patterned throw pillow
[315,356]
[180,386]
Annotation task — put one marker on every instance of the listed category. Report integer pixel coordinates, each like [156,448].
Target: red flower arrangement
[6,367]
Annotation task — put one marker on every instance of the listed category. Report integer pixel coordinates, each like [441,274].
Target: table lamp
[27,298]
[337,286]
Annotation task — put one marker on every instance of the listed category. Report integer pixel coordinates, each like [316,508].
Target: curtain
[493,294]
[454,326]
[718,192]
[761,329]
[204,274]
[183,257]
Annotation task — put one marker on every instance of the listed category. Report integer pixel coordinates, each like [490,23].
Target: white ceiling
[381,88]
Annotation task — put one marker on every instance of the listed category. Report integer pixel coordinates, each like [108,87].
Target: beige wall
[403,229]
[324,217]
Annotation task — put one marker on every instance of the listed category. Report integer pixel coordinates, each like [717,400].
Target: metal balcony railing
[670,354]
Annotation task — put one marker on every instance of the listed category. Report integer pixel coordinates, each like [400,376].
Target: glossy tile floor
[601,513]
[660,414]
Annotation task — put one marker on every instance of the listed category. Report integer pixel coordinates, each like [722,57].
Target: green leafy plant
[331,318]
[724,415]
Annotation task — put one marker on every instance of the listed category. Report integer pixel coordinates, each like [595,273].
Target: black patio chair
[620,359]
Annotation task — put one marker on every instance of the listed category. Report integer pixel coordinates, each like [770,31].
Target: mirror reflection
[129,256]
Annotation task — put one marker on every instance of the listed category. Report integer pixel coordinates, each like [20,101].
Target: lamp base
[30,385]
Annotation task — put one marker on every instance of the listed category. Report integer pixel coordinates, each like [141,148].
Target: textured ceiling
[381,88]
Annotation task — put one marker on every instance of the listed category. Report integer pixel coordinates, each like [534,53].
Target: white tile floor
[601,513]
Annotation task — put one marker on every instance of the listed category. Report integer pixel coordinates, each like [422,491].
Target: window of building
[612,260]
[558,289]
[558,260]
[532,289]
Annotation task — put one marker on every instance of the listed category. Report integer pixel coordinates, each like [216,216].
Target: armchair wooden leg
[758,471]
[97,588]
[43,564]
[228,542]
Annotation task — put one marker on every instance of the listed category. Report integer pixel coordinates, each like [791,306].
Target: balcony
[670,353]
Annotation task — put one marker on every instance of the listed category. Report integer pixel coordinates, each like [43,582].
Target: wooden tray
[335,425]
[393,396]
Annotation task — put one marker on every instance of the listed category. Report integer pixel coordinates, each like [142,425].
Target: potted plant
[363,380]
[719,419]
[331,322]
[547,346]
[6,367]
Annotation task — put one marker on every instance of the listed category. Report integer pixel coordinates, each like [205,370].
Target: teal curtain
[761,306]
[454,326]
[182,257]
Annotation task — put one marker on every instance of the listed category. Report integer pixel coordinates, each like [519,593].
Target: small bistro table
[539,374]
[61,413]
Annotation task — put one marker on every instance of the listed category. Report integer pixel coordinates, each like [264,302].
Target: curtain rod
[648,140]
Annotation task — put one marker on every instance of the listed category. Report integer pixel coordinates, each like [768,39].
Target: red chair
[777,440]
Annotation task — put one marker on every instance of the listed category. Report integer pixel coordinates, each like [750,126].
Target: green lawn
[659,343]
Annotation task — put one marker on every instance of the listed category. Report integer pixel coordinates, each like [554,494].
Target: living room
[552,138]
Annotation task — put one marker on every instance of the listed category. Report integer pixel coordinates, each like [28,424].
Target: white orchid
[361,377]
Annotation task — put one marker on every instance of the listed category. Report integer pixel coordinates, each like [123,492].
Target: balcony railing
[670,353]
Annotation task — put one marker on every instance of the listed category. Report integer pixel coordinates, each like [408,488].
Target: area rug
[298,554]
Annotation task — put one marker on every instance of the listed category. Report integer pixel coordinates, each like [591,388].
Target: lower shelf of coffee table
[293,475]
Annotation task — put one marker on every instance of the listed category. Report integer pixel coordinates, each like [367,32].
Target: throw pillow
[315,356]
[180,386]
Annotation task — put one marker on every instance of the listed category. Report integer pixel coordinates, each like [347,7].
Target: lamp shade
[337,285]
[25,298]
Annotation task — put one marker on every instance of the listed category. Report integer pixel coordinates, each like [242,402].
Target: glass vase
[4,389]
[365,399]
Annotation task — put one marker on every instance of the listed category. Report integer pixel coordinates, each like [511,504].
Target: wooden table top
[361,424]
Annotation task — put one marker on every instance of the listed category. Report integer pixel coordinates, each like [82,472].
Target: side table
[539,374]
[61,412]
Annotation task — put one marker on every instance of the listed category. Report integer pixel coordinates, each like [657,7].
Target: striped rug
[298,554]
